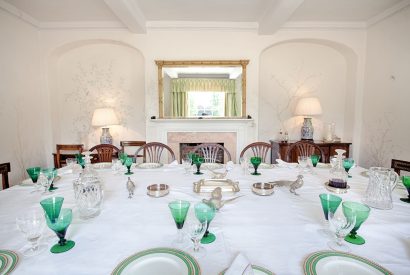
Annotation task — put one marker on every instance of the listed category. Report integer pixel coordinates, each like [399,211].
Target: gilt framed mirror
[202,89]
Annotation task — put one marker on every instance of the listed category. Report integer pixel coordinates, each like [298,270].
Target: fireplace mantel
[244,129]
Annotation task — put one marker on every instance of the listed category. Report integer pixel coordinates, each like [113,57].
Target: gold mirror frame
[228,63]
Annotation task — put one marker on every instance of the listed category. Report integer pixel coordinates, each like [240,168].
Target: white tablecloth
[276,232]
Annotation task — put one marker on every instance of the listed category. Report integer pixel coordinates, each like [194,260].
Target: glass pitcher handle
[393,183]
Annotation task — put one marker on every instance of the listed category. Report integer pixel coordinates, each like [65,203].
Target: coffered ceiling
[266,16]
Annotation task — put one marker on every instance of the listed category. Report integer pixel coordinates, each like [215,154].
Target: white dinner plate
[102,165]
[333,262]
[159,261]
[211,166]
[265,166]
[149,165]
[257,270]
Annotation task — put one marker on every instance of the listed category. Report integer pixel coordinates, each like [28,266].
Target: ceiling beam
[129,13]
[278,12]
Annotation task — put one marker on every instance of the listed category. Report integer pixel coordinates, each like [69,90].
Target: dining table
[277,232]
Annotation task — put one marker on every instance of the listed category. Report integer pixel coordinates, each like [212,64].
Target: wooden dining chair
[133,143]
[211,151]
[152,152]
[400,165]
[303,148]
[65,148]
[259,149]
[4,170]
[105,152]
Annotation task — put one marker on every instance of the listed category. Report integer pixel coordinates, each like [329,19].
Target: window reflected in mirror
[207,89]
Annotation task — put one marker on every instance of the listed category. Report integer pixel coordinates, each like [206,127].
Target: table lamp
[104,117]
[308,106]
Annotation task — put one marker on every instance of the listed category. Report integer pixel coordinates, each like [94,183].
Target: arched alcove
[89,74]
[306,67]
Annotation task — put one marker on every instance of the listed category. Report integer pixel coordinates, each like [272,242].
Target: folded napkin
[240,265]
[229,165]
[284,164]
[174,163]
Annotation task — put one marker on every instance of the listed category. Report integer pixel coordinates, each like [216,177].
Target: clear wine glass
[196,230]
[340,225]
[32,224]
[187,164]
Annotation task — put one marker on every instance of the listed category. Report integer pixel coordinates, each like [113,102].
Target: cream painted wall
[97,74]
[23,103]
[290,71]
[386,133]
[59,52]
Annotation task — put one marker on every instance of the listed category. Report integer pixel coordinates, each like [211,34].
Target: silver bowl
[157,190]
[263,189]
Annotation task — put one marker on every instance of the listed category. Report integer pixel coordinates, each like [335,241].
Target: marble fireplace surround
[234,133]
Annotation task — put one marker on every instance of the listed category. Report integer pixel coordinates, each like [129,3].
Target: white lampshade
[308,106]
[104,117]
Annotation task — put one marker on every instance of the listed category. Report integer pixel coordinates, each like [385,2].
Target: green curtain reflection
[181,86]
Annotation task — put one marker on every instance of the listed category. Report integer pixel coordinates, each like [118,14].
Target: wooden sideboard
[328,148]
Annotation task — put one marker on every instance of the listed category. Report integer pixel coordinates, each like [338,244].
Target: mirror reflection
[208,89]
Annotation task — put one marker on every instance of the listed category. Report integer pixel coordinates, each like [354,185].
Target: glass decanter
[88,192]
[338,175]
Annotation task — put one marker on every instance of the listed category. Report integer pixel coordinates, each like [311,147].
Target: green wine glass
[315,159]
[58,220]
[256,161]
[198,161]
[50,174]
[128,163]
[406,182]
[206,212]
[347,164]
[179,210]
[330,203]
[33,172]
[80,160]
[123,157]
[362,213]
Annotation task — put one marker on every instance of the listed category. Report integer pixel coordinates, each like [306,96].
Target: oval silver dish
[263,189]
[157,190]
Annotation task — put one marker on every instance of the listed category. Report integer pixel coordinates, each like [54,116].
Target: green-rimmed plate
[155,261]
[8,261]
[333,262]
[257,270]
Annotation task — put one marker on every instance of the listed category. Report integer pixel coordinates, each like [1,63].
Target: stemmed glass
[58,219]
[198,161]
[196,230]
[406,182]
[32,224]
[347,164]
[341,225]
[128,163]
[330,203]
[179,210]
[361,212]
[206,212]
[315,159]
[80,160]
[303,162]
[187,163]
[49,173]
[244,162]
[123,157]
[33,172]
[256,161]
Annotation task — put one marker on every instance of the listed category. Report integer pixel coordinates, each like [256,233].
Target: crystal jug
[88,193]
[382,181]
